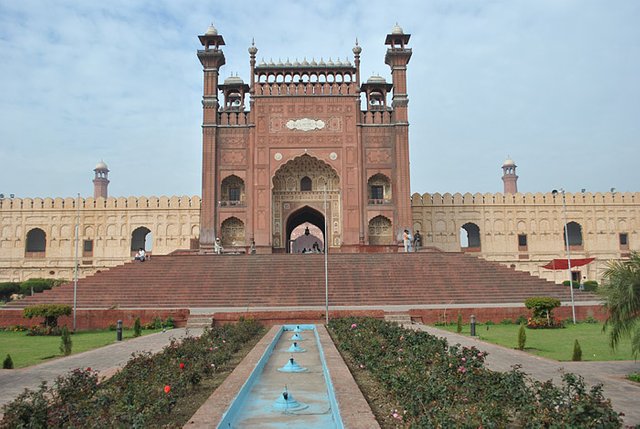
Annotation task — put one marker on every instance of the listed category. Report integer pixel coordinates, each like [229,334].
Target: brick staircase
[284,280]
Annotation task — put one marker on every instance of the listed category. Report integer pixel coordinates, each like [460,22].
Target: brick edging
[354,409]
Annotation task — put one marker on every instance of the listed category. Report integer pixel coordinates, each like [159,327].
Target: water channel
[289,387]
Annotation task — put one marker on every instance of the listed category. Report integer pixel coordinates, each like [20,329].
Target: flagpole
[568,250]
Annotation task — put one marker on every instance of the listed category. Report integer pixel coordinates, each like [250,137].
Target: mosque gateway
[309,155]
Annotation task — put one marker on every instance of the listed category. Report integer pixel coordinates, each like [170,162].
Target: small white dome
[233,80]
[397,29]
[509,163]
[211,31]
[376,79]
[101,166]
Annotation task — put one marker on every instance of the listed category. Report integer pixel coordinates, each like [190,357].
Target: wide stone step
[187,281]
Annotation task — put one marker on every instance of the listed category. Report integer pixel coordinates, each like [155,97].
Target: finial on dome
[252,49]
[101,166]
[397,29]
[357,49]
[509,162]
[211,31]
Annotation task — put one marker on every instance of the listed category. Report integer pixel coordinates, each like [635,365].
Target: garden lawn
[26,351]
[555,344]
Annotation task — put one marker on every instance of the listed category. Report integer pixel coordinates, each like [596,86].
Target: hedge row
[449,386]
[140,394]
[27,287]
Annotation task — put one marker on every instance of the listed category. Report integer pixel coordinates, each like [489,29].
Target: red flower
[89,369]
[167,389]
[181,365]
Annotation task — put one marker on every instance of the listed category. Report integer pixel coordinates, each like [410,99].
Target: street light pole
[75,263]
[568,250]
[326,266]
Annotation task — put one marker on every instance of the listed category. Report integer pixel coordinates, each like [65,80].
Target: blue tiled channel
[259,402]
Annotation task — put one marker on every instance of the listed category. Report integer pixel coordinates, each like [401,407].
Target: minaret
[101,180]
[212,58]
[509,177]
[397,57]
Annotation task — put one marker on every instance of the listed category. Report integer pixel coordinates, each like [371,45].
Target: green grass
[26,351]
[555,344]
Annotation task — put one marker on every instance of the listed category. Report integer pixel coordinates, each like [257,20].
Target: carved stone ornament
[305,124]
[277,156]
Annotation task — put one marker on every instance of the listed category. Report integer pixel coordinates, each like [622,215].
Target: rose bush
[449,386]
[146,389]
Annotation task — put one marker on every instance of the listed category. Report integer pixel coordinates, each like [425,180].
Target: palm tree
[621,293]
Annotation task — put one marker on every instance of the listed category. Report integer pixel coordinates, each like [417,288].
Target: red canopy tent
[563,264]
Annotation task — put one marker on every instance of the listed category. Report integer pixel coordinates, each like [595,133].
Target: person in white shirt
[217,246]
[141,256]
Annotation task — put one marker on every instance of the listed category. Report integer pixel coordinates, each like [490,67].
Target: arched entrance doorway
[307,240]
[304,189]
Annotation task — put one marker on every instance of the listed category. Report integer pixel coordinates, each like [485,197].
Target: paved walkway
[106,360]
[624,394]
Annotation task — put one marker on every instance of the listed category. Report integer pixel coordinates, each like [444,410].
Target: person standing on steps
[406,240]
[417,241]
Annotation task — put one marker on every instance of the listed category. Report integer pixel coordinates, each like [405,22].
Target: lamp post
[75,263]
[326,266]
[568,250]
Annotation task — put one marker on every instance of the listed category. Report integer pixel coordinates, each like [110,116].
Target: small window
[522,240]
[87,248]
[36,241]
[624,240]
[377,192]
[234,194]
[305,184]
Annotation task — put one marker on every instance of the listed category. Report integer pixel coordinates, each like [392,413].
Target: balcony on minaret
[509,177]
[232,112]
[376,90]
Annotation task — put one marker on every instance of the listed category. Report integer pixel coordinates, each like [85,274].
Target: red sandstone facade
[303,149]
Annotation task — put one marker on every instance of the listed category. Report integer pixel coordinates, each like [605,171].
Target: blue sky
[553,84]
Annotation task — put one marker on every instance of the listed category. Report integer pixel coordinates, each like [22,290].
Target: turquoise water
[310,399]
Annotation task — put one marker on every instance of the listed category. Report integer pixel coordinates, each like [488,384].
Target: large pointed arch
[303,215]
[304,189]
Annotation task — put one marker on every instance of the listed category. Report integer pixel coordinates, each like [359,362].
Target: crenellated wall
[174,224]
[501,218]
[108,223]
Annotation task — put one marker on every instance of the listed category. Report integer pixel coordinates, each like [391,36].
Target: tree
[577,352]
[620,290]
[522,337]
[7,363]
[137,328]
[50,312]
[542,308]
[65,342]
